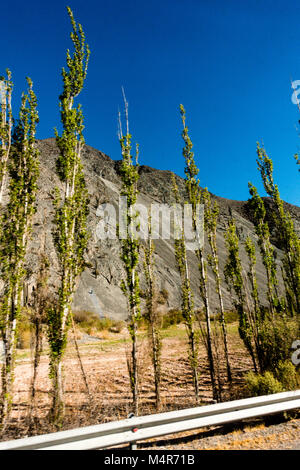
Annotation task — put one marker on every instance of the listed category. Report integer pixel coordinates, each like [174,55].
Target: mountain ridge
[99,286]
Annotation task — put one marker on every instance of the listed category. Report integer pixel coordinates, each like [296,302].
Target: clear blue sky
[229,62]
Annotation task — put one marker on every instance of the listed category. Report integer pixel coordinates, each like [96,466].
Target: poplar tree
[286,232]
[187,301]
[265,245]
[152,314]
[211,214]
[71,209]
[6,125]
[194,198]
[255,317]
[16,224]
[235,282]
[130,246]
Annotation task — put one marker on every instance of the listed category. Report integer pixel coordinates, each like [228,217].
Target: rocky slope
[98,290]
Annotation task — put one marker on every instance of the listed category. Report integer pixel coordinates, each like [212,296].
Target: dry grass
[106,370]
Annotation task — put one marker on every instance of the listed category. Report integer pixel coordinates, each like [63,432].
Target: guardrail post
[133,445]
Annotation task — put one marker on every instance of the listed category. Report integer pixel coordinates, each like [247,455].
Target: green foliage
[57,337]
[152,315]
[194,198]
[275,338]
[283,378]
[71,207]
[234,280]
[211,214]
[231,316]
[130,247]
[286,232]
[263,384]
[6,125]
[287,375]
[16,223]
[172,317]
[191,171]
[266,248]
[187,302]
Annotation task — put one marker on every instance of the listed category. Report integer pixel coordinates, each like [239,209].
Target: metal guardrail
[156,425]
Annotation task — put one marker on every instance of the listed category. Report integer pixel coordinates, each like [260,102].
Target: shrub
[230,316]
[263,384]
[275,339]
[173,317]
[287,375]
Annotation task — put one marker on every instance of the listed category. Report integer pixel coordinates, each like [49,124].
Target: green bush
[263,384]
[287,375]
[173,317]
[230,316]
[275,339]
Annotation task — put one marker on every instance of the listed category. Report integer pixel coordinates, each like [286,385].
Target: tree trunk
[134,373]
[156,365]
[194,362]
[58,409]
[204,295]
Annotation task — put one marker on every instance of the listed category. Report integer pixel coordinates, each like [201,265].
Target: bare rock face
[99,286]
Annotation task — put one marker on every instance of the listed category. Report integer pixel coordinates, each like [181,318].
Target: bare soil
[105,365]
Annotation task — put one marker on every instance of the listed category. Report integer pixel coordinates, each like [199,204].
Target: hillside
[98,290]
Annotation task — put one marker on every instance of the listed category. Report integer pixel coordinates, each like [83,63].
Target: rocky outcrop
[99,286]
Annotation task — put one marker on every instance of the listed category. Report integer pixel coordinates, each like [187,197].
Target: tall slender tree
[187,301]
[255,314]
[211,214]
[71,209]
[194,198]
[6,126]
[265,245]
[152,316]
[16,223]
[286,232]
[235,282]
[130,247]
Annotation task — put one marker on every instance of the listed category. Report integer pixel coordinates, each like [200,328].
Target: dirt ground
[105,365]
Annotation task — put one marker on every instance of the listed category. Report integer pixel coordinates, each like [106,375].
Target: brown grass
[106,370]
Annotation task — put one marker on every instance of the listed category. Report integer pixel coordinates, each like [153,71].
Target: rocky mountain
[99,286]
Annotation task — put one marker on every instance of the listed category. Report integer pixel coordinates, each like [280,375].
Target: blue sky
[229,63]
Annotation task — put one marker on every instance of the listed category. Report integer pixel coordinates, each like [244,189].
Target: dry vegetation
[103,353]
[104,346]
